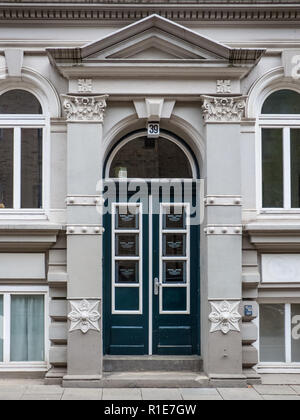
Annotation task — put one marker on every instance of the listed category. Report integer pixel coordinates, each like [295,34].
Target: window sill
[32,214]
[279,211]
[24,367]
[277,367]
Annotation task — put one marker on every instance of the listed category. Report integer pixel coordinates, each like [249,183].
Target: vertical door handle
[157,284]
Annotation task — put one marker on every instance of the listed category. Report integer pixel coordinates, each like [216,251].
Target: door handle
[157,285]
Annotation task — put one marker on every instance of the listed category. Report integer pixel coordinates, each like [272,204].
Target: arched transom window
[280,150]
[22,125]
[141,157]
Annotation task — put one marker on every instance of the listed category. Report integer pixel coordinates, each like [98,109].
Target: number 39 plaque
[153,130]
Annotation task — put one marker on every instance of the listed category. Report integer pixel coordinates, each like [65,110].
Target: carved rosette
[223,109]
[84,315]
[84,108]
[224,316]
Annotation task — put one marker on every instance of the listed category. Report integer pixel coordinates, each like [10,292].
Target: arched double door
[151,293]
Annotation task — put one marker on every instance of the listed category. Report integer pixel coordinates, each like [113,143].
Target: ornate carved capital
[223,109]
[224,316]
[84,108]
[84,315]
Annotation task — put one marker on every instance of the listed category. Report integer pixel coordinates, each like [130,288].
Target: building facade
[149,191]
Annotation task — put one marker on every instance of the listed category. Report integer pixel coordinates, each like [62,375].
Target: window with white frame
[22,325]
[279,333]
[22,132]
[280,150]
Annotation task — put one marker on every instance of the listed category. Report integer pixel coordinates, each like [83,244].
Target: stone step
[152,363]
[154,379]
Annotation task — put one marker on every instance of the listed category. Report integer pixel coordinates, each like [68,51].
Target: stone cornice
[111,11]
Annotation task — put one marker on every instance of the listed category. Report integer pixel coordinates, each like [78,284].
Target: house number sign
[153,130]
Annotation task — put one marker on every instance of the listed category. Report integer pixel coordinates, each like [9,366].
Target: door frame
[196,176]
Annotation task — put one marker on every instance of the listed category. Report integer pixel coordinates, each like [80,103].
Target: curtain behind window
[27,328]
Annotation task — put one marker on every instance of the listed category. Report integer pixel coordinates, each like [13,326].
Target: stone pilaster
[221,271]
[84,116]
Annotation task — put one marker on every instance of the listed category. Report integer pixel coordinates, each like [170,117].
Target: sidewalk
[274,387]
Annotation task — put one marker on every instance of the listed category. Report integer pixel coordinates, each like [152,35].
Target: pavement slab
[274,390]
[281,397]
[10,395]
[121,394]
[239,394]
[200,394]
[44,397]
[82,394]
[161,394]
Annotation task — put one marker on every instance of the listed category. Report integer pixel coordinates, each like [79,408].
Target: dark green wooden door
[151,279]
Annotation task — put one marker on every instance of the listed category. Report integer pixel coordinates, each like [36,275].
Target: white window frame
[185,258]
[17,122]
[138,258]
[7,365]
[286,123]
[278,367]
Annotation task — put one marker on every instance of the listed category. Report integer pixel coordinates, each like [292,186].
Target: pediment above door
[154,42]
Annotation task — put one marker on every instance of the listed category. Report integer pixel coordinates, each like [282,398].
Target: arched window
[21,151]
[142,157]
[280,150]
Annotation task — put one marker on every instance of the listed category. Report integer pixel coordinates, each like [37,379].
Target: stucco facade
[101,72]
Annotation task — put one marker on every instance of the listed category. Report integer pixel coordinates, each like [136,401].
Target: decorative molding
[85,85]
[224,316]
[84,315]
[84,108]
[110,11]
[85,230]
[223,109]
[223,200]
[84,200]
[223,86]
[223,230]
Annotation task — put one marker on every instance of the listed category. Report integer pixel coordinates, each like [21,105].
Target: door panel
[151,280]
[174,312]
[125,281]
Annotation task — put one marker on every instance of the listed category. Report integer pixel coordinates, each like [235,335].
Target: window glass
[19,102]
[31,168]
[295,167]
[6,167]
[295,332]
[27,328]
[272,338]
[154,158]
[282,102]
[272,167]
[1,328]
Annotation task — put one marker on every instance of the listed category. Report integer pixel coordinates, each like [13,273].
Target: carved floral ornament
[84,315]
[224,316]
[223,109]
[84,108]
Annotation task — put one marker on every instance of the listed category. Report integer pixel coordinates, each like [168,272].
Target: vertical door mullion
[288,336]
[17,167]
[6,329]
[287,167]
